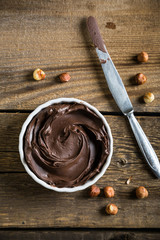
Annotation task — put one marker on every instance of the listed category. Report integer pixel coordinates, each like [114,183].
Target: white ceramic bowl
[65,189]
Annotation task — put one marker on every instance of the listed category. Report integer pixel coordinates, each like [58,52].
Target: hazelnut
[111,209]
[94,191]
[109,192]
[64,77]
[38,74]
[142,57]
[148,97]
[140,78]
[141,192]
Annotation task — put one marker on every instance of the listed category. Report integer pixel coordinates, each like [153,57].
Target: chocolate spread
[66,144]
[95,33]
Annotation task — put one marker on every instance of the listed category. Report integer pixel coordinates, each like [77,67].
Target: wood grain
[53,36]
[11,124]
[125,146]
[24,203]
[76,235]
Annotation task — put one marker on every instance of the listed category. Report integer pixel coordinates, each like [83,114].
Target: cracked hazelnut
[94,191]
[140,78]
[64,77]
[109,192]
[38,74]
[111,209]
[148,97]
[141,192]
[142,57]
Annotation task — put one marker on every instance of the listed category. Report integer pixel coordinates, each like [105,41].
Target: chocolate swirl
[66,144]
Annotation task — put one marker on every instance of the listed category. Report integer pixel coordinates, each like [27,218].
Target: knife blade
[120,95]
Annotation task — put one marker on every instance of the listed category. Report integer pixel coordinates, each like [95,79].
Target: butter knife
[120,95]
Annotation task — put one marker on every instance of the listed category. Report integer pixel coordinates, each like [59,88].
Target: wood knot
[124,236]
[122,162]
[91,6]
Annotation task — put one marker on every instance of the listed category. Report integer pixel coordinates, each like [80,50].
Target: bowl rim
[33,175]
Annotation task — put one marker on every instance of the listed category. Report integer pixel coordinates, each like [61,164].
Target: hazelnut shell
[111,209]
[142,57]
[140,78]
[64,77]
[108,192]
[141,192]
[94,191]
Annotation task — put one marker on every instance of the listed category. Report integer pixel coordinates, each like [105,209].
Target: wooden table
[52,35]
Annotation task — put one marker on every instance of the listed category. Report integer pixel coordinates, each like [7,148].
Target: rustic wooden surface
[76,235]
[52,35]
[31,201]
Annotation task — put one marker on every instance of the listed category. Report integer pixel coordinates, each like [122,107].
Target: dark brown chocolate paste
[66,144]
[95,33]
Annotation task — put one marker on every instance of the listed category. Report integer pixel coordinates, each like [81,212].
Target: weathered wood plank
[125,147]
[23,202]
[53,36]
[10,162]
[126,150]
[11,124]
[76,235]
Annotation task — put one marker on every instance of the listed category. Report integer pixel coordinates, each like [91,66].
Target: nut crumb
[102,61]
[92,45]
[129,180]
[110,25]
